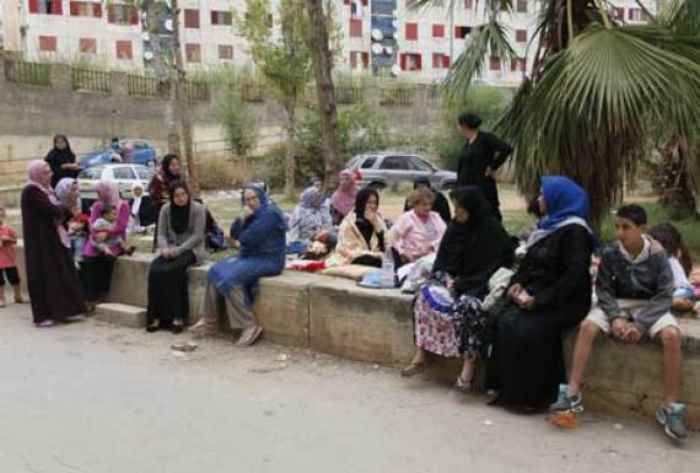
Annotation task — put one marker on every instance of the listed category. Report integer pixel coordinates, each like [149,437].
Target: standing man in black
[481,157]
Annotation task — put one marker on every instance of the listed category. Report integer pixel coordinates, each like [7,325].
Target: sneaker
[566,403]
[670,416]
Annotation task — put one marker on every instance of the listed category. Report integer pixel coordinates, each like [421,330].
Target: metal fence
[91,80]
[30,73]
[143,86]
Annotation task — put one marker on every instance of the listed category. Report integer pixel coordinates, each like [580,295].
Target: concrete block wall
[334,316]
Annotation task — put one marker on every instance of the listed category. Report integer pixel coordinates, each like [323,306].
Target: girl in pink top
[8,267]
[418,232]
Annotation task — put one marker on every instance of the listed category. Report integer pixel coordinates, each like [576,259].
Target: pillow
[350,271]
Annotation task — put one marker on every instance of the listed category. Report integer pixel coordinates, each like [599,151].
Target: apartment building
[377,35]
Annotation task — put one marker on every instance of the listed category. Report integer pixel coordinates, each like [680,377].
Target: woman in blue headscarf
[260,237]
[550,293]
[309,218]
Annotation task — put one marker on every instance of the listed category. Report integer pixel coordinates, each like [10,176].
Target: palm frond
[587,113]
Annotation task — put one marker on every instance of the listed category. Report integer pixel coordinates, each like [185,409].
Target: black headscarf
[471,252]
[179,215]
[363,225]
[165,168]
[58,157]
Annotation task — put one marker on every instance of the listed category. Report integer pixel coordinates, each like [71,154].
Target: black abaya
[529,361]
[168,296]
[96,275]
[52,280]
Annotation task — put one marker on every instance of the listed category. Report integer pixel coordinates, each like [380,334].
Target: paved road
[93,398]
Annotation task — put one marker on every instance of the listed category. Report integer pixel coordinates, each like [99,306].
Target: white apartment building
[415,44]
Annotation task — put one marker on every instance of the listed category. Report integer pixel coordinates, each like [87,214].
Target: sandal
[177,326]
[203,328]
[153,326]
[463,385]
[413,369]
[46,324]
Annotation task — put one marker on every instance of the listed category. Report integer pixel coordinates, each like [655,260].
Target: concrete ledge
[334,316]
[121,314]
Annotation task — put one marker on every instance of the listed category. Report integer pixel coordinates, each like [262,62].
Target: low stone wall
[334,316]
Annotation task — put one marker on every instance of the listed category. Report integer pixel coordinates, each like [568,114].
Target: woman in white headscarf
[142,210]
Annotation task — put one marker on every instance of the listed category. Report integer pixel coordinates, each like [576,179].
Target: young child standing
[635,292]
[8,267]
[672,241]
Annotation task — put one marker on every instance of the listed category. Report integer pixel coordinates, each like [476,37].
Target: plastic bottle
[388,270]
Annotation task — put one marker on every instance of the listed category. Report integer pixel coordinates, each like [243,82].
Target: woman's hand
[619,328]
[247,211]
[513,291]
[167,253]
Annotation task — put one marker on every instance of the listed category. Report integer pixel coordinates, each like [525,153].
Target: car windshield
[91,173]
[422,165]
[123,173]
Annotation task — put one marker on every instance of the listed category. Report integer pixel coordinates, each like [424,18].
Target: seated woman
[309,219]
[550,293]
[439,205]
[418,232]
[142,210]
[344,197]
[261,238]
[361,236]
[180,245]
[448,317]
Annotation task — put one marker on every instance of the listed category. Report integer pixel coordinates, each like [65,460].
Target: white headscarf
[136,204]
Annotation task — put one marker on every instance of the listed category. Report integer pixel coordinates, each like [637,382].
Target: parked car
[386,167]
[126,175]
[130,151]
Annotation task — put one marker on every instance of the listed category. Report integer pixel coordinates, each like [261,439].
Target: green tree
[279,50]
[597,88]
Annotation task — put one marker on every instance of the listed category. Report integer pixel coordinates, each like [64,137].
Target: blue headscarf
[564,199]
[567,204]
[267,206]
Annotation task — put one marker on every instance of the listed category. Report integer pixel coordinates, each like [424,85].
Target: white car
[125,175]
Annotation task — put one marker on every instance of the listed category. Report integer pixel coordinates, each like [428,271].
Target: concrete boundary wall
[334,316]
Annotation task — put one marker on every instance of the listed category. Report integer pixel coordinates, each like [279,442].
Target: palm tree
[597,88]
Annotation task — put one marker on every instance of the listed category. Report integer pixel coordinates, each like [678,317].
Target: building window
[192,19]
[90,9]
[412,31]
[521,6]
[521,36]
[359,58]
[411,62]
[518,64]
[468,4]
[119,14]
[46,7]
[221,18]
[193,53]
[495,63]
[438,31]
[635,14]
[125,51]
[441,61]
[618,13]
[88,46]
[47,44]
[461,32]
[226,52]
[355,28]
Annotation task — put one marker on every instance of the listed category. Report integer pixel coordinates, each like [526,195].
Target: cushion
[350,271]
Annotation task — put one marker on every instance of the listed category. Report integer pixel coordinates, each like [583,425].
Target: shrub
[219,171]
[238,122]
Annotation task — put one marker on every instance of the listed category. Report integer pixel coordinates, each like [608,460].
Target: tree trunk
[322,61]
[182,117]
[290,171]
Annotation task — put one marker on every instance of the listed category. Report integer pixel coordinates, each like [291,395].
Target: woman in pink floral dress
[448,318]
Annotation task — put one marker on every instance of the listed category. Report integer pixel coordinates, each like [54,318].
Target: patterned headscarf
[108,193]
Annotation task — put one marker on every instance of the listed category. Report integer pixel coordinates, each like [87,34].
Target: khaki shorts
[598,317]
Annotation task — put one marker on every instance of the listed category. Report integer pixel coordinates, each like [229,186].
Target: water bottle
[388,274]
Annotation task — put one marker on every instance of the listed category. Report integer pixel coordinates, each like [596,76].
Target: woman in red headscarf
[52,280]
[343,199]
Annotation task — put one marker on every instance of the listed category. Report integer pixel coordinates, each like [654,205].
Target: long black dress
[52,280]
[486,151]
[528,360]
